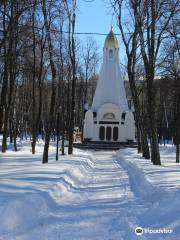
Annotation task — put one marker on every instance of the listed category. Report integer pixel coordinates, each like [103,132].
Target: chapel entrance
[108,133]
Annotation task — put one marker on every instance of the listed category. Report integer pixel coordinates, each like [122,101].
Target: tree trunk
[11,128]
[138,117]
[177,153]
[15,137]
[73,62]
[5,130]
[53,87]
[34,130]
[63,126]
[5,73]
[46,146]
[138,138]
[40,85]
[57,139]
[155,155]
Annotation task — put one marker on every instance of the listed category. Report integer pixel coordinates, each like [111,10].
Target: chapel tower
[109,119]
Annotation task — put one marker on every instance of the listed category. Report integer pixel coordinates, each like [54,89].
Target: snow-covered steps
[104,145]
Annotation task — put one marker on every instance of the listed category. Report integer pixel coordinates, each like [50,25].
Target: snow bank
[139,183]
[23,211]
[77,197]
[87,196]
[158,186]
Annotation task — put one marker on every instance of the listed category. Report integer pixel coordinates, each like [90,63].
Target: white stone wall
[126,130]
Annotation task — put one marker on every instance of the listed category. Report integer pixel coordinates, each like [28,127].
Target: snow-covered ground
[91,195]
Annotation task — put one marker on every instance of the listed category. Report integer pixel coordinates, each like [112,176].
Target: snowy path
[90,195]
[80,198]
[97,204]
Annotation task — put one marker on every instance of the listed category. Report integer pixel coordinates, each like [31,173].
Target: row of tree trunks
[147,18]
[11,70]
[131,46]
[5,72]
[176,110]
[27,96]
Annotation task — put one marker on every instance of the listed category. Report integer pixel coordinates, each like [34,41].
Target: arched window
[123,116]
[101,133]
[110,53]
[109,116]
[115,133]
[94,114]
[108,133]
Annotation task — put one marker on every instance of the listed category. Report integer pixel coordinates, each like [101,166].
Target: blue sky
[96,16]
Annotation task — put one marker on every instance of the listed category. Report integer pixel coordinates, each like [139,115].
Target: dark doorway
[101,133]
[108,133]
[115,133]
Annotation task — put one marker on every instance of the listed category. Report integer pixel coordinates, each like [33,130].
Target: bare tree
[34,78]
[9,69]
[90,62]
[130,40]
[71,9]
[171,69]
[38,47]
[152,19]
[53,82]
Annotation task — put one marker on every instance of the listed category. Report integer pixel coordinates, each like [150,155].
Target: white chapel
[109,119]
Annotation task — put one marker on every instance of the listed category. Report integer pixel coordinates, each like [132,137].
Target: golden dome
[111,40]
